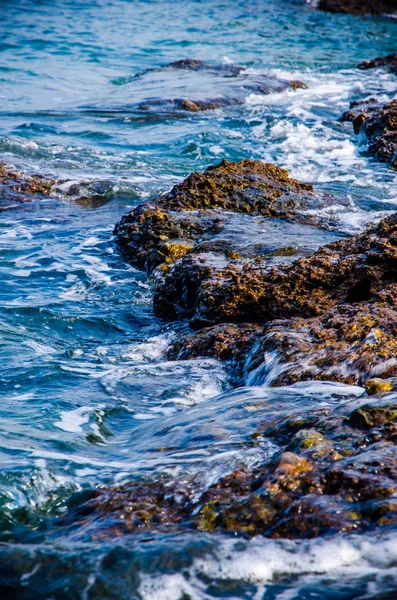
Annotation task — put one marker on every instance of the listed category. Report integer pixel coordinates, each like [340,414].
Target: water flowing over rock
[335,471]
[329,315]
[189,86]
[18,187]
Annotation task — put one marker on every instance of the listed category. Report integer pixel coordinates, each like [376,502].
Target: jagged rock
[329,316]
[348,343]
[359,7]
[194,209]
[228,342]
[201,235]
[17,187]
[378,122]
[353,270]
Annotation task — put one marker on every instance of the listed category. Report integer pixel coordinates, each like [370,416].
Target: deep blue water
[86,391]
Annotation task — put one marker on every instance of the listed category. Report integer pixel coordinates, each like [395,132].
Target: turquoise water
[86,391]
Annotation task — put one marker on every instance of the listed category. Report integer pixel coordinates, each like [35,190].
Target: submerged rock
[338,476]
[378,122]
[17,187]
[192,86]
[359,7]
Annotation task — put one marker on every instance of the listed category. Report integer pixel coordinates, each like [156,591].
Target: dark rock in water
[184,104]
[192,86]
[17,187]
[389,61]
[359,7]
[378,122]
[192,64]
[337,475]
[338,306]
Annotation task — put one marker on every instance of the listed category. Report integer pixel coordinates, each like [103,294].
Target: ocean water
[86,391]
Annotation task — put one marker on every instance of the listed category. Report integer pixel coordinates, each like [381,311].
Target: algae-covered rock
[348,343]
[195,209]
[228,341]
[214,243]
[376,385]
[18,187]
[321,480]
[355,270]
[227,226]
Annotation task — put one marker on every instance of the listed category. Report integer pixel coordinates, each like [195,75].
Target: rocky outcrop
[329,315]
[378,122]
[335,471]
[17,187]
[161,231]
[359,7]
[280,316]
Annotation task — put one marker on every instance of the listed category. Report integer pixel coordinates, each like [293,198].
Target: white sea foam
[72,420]
[153,349]
[316,563]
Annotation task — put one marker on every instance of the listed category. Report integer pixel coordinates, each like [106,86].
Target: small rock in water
[379,386]
[389,61]
[18,187]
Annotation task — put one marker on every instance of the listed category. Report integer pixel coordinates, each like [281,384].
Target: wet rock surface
[359,7]
[334,471]
[378,122]
[329,315]
[207,210]
[213,237]
[17,187]
[389,61]
[198,87]
[281,315]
